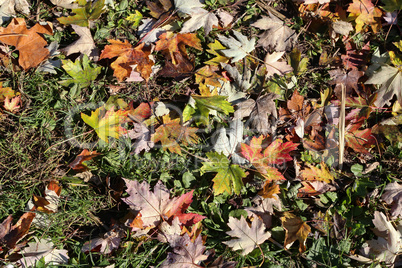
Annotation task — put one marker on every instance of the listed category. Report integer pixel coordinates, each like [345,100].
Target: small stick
[342,127]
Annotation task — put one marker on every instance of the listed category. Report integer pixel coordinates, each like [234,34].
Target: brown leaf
[296,229]
[350,80]
[355,59]
[30,43]
[11,235]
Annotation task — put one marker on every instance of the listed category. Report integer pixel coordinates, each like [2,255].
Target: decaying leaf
[248,237]
[200,18]
[277,36]
[12,105]
[393,195]
[10,235]
[85,155]
[296,229]
[313,173]
[9,8]
[274,66]
[42,248]
[366,14]
[30,43]
[105,244]
[228,178]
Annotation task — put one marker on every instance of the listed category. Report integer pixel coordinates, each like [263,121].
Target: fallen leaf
[200,18]
[393,195]
[342,27]
[350,80]
[359,140]
[365,13]
[187,6]
[247,237]
[82,71]
[6,92]
[69,4]
[296,229]
[85,155]
[42,249]
[128,56]
[237,48]
[105,244]
[262,113]
[108,125]
[87,11]
[10,235]
[9,8]
[30,43]
[314,188]
[50,202]
[84,45]
[391,5]
[171,132]
[157,206]
[355,58]
[277,36]
[216,49]
[313,173]
[12,105]
[186,254]
[228,178]
[274,66]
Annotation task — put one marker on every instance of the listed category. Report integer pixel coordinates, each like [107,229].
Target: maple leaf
[88,11]
[388,245]
[8,9]
[50,202]
[172,132]
[204,105]
[126,57]
[366,14]
[207,75]
[175,43]
[85,155]
[157,205]
[10,235]
[355,59]
[390,79]
[82,72]
[357,139]
[393,195]
[186,253]
[6,92]
[262,157]
[216,49]
[277,36]
[85,44]
[108,125]
[248,237]
[262,113]
[350,80]
[296,229]
[274,66]
[313,173]
[12,105]
[69,4]
[143,136]
[42,249]
[268,196]
[237,48]
[30,43]
[313,188]
[228,178]
[200,18]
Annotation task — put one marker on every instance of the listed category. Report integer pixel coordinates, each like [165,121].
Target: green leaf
[357,170]
[392,5]
[82,72]
[228,178]
[205,104]
[88,11]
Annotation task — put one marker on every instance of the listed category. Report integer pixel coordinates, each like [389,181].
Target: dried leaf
[10,235]
[84,45]
[248,237]
[296,229]
[30,43]
[85,155]
[317,174]
[274,66]
[393,195]
[366,14]
[237,48]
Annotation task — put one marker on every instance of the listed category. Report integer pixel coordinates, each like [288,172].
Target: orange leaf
[85,155]
[10,235]
[315,174]
[366,14]
[359,140]
[270,191]
[127,56]
[12,105]
[30,43]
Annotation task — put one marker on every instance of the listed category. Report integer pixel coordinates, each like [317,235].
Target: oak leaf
[157,206]
[30,43]
[296,229]
[248,236]
[128,56]
[171,132]
[106,124]
[228,178]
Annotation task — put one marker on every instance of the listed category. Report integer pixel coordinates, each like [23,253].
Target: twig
[342,127]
